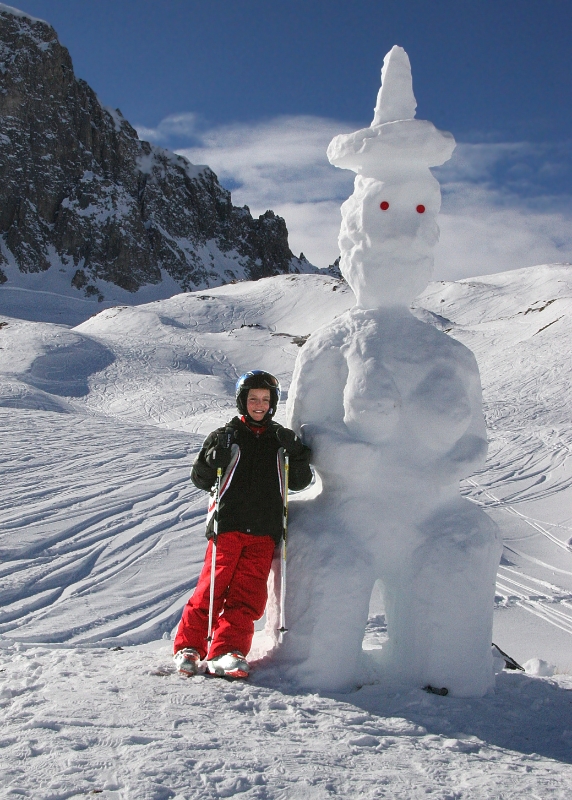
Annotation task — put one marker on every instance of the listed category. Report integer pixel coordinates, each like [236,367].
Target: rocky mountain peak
[79,191]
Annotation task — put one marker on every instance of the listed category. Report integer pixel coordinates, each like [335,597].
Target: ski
[164,672]
[509,662]
[230,678]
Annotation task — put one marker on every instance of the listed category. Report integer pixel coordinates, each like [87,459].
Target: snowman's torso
[403,398]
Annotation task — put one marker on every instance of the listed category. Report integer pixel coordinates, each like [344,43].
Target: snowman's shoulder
[332,334]
[444,344]
[396,335]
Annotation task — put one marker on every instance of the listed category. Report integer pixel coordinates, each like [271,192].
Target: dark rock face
[79,189]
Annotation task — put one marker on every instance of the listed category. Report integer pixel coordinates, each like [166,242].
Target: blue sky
[256,89]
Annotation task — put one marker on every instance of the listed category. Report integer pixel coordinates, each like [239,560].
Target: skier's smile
[258,403]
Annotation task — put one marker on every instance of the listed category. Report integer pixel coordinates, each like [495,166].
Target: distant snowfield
[101,541]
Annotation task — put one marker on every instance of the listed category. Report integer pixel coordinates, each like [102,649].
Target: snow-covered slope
[118,724]
[110,544]
[172,365]
[200,343]
[101,537]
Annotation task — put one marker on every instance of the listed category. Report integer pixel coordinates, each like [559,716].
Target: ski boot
[187,661]
[229,665]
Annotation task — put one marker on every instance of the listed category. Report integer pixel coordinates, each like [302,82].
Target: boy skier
[249,451]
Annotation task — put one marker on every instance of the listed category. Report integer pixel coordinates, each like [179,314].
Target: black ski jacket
[252,487]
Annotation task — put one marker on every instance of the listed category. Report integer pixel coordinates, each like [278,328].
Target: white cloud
[484,239]
[497,213]
[313,229]
[185,125]
[279,160]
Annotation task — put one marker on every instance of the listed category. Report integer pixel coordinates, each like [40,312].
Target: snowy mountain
[82,197]
[101,540]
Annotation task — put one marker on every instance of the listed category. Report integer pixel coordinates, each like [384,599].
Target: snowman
[391,408]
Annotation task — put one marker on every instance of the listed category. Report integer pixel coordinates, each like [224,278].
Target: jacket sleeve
[203,476]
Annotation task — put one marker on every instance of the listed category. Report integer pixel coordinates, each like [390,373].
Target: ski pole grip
[217,501]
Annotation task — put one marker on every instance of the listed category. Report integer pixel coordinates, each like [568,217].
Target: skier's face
[258,403]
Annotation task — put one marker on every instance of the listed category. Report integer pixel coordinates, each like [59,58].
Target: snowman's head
[387,237]
[389,227]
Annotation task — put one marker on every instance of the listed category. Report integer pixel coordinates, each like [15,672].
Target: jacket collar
[257,430]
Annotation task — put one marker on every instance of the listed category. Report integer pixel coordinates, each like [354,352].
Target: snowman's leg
[440,614]
[304,562]
[330,578]
[340,612]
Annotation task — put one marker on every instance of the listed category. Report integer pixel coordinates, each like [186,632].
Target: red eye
[420,209]
[384,205]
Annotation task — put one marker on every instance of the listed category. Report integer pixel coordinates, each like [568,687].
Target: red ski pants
[242,565]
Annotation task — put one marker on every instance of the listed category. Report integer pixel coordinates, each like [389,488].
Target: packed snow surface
[102,539]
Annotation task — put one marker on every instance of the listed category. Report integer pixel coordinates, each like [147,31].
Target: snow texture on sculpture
[391,407]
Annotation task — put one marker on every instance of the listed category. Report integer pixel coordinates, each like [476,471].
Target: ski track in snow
[550,603]
[96,506]
[533,595]
[101,542]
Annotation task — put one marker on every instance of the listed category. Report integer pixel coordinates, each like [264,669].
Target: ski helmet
[257,379]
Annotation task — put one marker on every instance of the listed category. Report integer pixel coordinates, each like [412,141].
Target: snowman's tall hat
[395,99]
[395,141]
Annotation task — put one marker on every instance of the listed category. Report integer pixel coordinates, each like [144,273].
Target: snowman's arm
[316,394]
[469,452]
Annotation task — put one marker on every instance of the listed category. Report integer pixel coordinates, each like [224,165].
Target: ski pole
[213,555]
[283,629]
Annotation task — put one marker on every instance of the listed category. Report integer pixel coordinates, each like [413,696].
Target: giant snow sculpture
[391,407]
